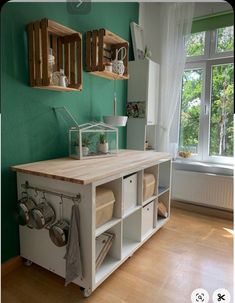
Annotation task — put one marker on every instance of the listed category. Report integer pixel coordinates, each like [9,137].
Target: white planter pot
[85,150]
[102,148]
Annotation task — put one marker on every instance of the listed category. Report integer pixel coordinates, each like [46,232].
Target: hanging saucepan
[24,207]
[60,230]
[43,215]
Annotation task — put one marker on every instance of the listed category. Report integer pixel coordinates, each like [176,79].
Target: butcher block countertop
[91,170]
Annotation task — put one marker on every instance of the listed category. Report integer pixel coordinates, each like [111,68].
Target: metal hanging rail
[76,198]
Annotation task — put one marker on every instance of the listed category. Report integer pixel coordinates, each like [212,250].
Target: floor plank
[191,251]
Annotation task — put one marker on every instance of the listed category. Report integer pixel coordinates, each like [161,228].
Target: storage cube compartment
[163,199]
[129,192]
[113,255]
[131,232]
[104,205]
[147,219]
[150,180]
[164,176]
[149,185]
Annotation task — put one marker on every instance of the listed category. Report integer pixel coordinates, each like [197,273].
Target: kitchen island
[76,181]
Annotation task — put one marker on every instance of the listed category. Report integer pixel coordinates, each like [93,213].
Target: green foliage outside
[190,110]
[195,44]
[225,39]
[222,90]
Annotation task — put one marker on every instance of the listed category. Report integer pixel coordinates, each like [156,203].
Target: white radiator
[203,188]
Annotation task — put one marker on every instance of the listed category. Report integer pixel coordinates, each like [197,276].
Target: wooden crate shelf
[66,45]
[101,46]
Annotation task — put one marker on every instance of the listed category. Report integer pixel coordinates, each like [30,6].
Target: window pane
[225,38]
[190,110]
[221,128]
[195,46]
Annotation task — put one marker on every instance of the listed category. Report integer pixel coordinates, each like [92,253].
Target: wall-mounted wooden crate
[66,45]
[101,46]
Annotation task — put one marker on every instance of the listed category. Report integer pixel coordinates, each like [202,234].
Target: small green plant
[86,141]
[103,139]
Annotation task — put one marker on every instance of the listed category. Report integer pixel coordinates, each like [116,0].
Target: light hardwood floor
[191,251]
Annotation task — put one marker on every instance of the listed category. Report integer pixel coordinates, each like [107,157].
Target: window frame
[206,62]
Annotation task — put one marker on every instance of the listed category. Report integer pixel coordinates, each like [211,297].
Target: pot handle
[120,50]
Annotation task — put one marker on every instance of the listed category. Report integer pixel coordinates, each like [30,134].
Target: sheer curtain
[176,22]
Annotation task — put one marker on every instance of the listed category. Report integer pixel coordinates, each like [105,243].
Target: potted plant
[85,145]
[102,146]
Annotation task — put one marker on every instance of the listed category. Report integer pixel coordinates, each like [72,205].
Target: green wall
[30,129]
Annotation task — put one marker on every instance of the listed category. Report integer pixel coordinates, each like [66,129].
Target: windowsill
[203,167]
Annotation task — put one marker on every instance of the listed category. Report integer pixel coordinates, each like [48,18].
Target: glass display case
[93,140]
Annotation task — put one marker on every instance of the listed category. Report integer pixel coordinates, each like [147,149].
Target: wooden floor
[191,251]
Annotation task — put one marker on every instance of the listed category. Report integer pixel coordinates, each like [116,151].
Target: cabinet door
[152,93]
[138,83]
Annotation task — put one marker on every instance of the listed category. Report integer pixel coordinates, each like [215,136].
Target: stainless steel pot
[24,207]
[43,215]
[59,233]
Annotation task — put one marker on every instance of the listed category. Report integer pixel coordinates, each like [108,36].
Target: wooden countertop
[90,170]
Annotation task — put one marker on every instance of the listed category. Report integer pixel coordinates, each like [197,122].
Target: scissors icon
[221,297]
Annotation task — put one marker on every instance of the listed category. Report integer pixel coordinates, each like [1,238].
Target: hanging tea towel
[73,251]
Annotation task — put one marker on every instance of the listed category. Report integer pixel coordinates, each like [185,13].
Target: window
[206,118]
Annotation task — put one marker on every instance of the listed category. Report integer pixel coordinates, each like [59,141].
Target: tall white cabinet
[143,89]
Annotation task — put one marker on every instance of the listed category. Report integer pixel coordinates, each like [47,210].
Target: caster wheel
[86,292]
[28,263]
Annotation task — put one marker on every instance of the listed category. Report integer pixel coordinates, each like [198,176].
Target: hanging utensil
[25,205]
[60,230]
[43,215]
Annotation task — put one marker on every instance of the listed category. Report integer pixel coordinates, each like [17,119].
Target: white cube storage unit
[133,221]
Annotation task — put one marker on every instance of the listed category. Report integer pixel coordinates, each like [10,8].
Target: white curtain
[176,22]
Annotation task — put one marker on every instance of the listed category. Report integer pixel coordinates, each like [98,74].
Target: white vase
[85,150]
[102,147]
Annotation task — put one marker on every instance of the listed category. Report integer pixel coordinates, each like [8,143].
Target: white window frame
[205,62]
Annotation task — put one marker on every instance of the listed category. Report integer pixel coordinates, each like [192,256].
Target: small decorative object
[185,154]
[83,141]
[103,146]
[108,66]
[136,109]
[85,145]
[115,120]
[118,65]
[51,64]
[63,79]
[147,53]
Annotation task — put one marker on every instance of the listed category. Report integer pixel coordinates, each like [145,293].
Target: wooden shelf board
[131,211]
[101,229]
[110,75]
[147,234]
[129,246]
[59,88]
[107,267]
[161,222]
[149,200]
[113,38]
